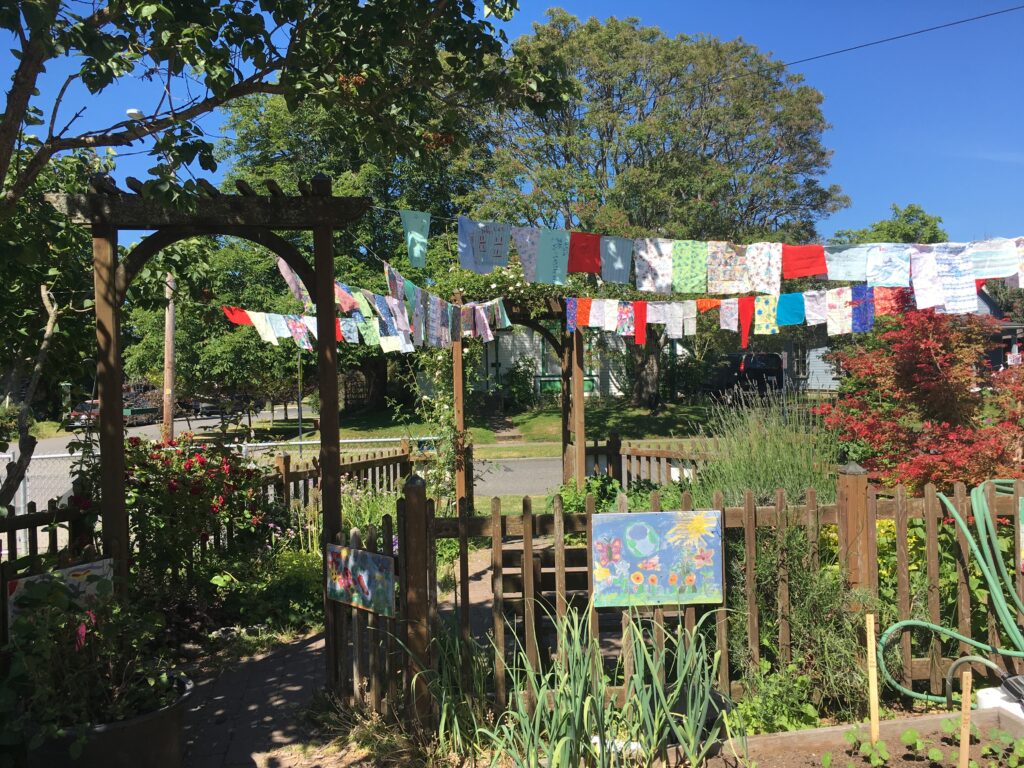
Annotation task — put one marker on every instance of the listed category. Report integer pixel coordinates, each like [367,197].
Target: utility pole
[167,430]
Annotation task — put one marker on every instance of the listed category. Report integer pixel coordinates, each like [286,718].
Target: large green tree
[910,224]
[684,137]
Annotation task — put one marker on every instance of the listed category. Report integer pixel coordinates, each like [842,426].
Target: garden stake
[872,677]
[986,554]
[965,718]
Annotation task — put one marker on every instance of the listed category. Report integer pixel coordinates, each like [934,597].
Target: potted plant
[86,685]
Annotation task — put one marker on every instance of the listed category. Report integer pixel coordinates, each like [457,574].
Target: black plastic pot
[153,740]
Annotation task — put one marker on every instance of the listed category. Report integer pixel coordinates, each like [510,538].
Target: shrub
[762,444]
[777,700]
[919,403]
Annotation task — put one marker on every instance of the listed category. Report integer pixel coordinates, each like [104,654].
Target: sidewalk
[248,715]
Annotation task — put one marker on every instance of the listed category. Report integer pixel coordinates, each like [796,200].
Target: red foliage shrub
[919,403]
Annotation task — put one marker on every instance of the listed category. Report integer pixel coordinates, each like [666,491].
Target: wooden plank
[464,629]
[376,679]
[722,613]
[813,529]
[529,594]
[931,519]
[785,631]
[655,501]
[903,581]
[589,506]
[560,606]
[870,562]
[414,515]
[226,214]
[579,439]
[390,661]
[963,590]
[358,636]
[497,611]
[749,577]
[1005,662]
[627,657]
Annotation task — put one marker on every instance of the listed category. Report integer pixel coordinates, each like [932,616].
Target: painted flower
[637,578]
[652,579]
[690,579]
[703,558]
[602,574]
[673,579]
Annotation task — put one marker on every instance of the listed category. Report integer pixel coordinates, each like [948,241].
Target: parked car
[759,372]
[84,412]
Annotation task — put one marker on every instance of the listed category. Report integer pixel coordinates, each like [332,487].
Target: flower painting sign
[87,583]
[363,579]
[657,558]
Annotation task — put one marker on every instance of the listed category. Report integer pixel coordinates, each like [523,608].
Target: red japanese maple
[919,403]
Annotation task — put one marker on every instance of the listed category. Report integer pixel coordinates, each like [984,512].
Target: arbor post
[109,381]
[458,389]
[417,614]
[852,498]
[327,372]
[579,432]
[614,454]
[566,394]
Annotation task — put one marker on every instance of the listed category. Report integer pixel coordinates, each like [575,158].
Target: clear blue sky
[934,119]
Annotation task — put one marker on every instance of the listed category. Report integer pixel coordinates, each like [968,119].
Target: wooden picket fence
[534,574]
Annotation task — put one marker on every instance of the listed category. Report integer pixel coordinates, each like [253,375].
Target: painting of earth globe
[657,558]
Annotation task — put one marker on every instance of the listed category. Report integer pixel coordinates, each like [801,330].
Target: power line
[905,35]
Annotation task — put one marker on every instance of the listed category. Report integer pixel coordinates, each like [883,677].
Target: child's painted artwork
[657,558]
[360,578]
[84,583]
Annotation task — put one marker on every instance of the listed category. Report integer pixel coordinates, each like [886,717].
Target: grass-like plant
[762,443]
[569,712]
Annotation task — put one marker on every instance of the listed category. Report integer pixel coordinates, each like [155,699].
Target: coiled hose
[985,551]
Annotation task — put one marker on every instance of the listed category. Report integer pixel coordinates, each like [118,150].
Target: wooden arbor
[107,210]
[570,349]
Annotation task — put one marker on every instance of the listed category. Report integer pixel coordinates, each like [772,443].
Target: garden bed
[806,749]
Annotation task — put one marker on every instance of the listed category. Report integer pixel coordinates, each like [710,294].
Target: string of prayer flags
[310,322]
[527,240]
[790,309]
[765,315]
[863,310]
[552,256]
[625,322]
[764,267]
[889,265]
[616,259]
[262,325]
[653,257]
[689,313]
[237,316]
[582,312]
[838,311]
[703,305]
[571,310]
[483,245]
[746,312]
[815,307]
[297,330]
[727,268]
[279,325]
[584,253]
[674,320]
[416,225]
[993,258]
[924,276]
[640,322]
[689,266]
[343,298]
[847,262]
[803,261]
[956,273]
[295,285]
[729,315]
[596,318]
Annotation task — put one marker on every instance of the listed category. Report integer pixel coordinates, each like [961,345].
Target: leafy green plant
[826,760]
[777,701]
[911,739]
[876,754]
[71,666]
[604,489]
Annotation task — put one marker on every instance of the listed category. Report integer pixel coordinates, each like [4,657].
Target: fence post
[284,469]
[852,496]
[614,446]
[417,612]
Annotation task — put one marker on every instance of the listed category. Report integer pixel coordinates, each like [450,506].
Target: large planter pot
[153,740]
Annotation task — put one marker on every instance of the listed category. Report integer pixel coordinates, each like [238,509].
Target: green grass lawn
[540,428]
[42,430]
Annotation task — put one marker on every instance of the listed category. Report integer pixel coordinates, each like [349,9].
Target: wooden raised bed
[804,749]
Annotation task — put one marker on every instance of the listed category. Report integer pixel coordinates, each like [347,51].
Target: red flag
[584,252]
[237,316]
[640,322]
[803,261]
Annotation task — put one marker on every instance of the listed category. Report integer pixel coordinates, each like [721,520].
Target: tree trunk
[647,368]
[375,369]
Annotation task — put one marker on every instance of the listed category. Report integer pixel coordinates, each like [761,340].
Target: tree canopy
[910,224]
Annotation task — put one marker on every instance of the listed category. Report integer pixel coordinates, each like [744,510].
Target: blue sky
[935,119]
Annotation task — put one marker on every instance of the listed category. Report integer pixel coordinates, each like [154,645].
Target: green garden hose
[985,551]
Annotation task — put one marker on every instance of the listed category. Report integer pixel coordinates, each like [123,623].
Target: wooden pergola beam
[123,211]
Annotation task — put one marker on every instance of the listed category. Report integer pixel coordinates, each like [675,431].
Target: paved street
[517,477]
